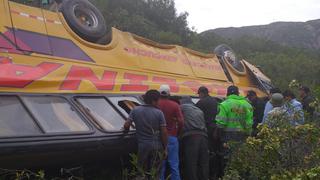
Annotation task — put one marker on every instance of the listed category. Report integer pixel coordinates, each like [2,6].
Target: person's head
[277,100]
[233,90]
[203,92]
[288,95]
[186,100]
[252,95]
[164,90]
[304,91]
[151,97]
[273,91]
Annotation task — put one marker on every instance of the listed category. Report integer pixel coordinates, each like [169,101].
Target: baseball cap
[277,100]
[233,90]
[164,90]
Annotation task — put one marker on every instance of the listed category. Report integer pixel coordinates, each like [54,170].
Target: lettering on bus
[19,76]
[135,82]
[199,64]
[184,59]
[150,54]
[174,87]
[78,74]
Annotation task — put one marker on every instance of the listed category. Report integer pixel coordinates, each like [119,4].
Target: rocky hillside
[295,34]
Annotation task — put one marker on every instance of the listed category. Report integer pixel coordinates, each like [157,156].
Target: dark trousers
[149,158]
[216,162]
[195,157]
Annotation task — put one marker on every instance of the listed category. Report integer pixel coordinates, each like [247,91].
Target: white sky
[210,14]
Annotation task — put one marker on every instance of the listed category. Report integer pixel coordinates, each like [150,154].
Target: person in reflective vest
[235,116]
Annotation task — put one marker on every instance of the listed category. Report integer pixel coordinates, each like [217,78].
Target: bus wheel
[84,19]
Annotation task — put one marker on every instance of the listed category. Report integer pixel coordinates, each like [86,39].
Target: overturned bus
[65,91]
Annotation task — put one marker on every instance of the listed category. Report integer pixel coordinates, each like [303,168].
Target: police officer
[235,116]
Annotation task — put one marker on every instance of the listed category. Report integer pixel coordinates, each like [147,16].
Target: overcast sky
[210,14]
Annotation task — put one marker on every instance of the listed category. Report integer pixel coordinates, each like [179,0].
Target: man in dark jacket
[194,142]
[258,109]
[209,106]
[306,100]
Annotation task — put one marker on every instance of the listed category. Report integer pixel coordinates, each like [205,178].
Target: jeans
[196,157]
[173,159]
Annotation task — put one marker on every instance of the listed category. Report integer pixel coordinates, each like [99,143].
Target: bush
[281,152]
[278,153]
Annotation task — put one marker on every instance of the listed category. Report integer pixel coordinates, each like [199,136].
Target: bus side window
[127,105]
[15,119]
[103,113]
[195,100]
[124,104]
[55,114]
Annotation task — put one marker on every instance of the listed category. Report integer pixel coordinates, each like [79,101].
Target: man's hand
[126,126]
[164,140]
[226,146]
[165,153]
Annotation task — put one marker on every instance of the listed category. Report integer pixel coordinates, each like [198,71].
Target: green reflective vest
[235,114]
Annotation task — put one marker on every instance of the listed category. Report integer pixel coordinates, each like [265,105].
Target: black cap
[232,90]
[203,90]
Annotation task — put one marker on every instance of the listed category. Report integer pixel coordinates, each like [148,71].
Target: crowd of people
[180,135]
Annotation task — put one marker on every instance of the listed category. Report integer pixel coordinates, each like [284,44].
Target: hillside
[294,34]
[284,50]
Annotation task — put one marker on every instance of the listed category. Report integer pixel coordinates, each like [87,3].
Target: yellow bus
[67,84]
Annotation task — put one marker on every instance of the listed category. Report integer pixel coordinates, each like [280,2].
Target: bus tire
[84,19]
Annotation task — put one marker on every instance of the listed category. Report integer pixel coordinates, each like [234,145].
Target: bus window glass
[124,104]
[55,114]
[195,100]
[104,114]
[15,120]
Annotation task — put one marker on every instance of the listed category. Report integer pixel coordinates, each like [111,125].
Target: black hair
[288,93]
[305,89]
[275,90]
[203,90]
[151,96]
[251,93]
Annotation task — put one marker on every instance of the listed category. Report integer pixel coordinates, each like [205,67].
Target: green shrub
[282,152]
[278,153]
